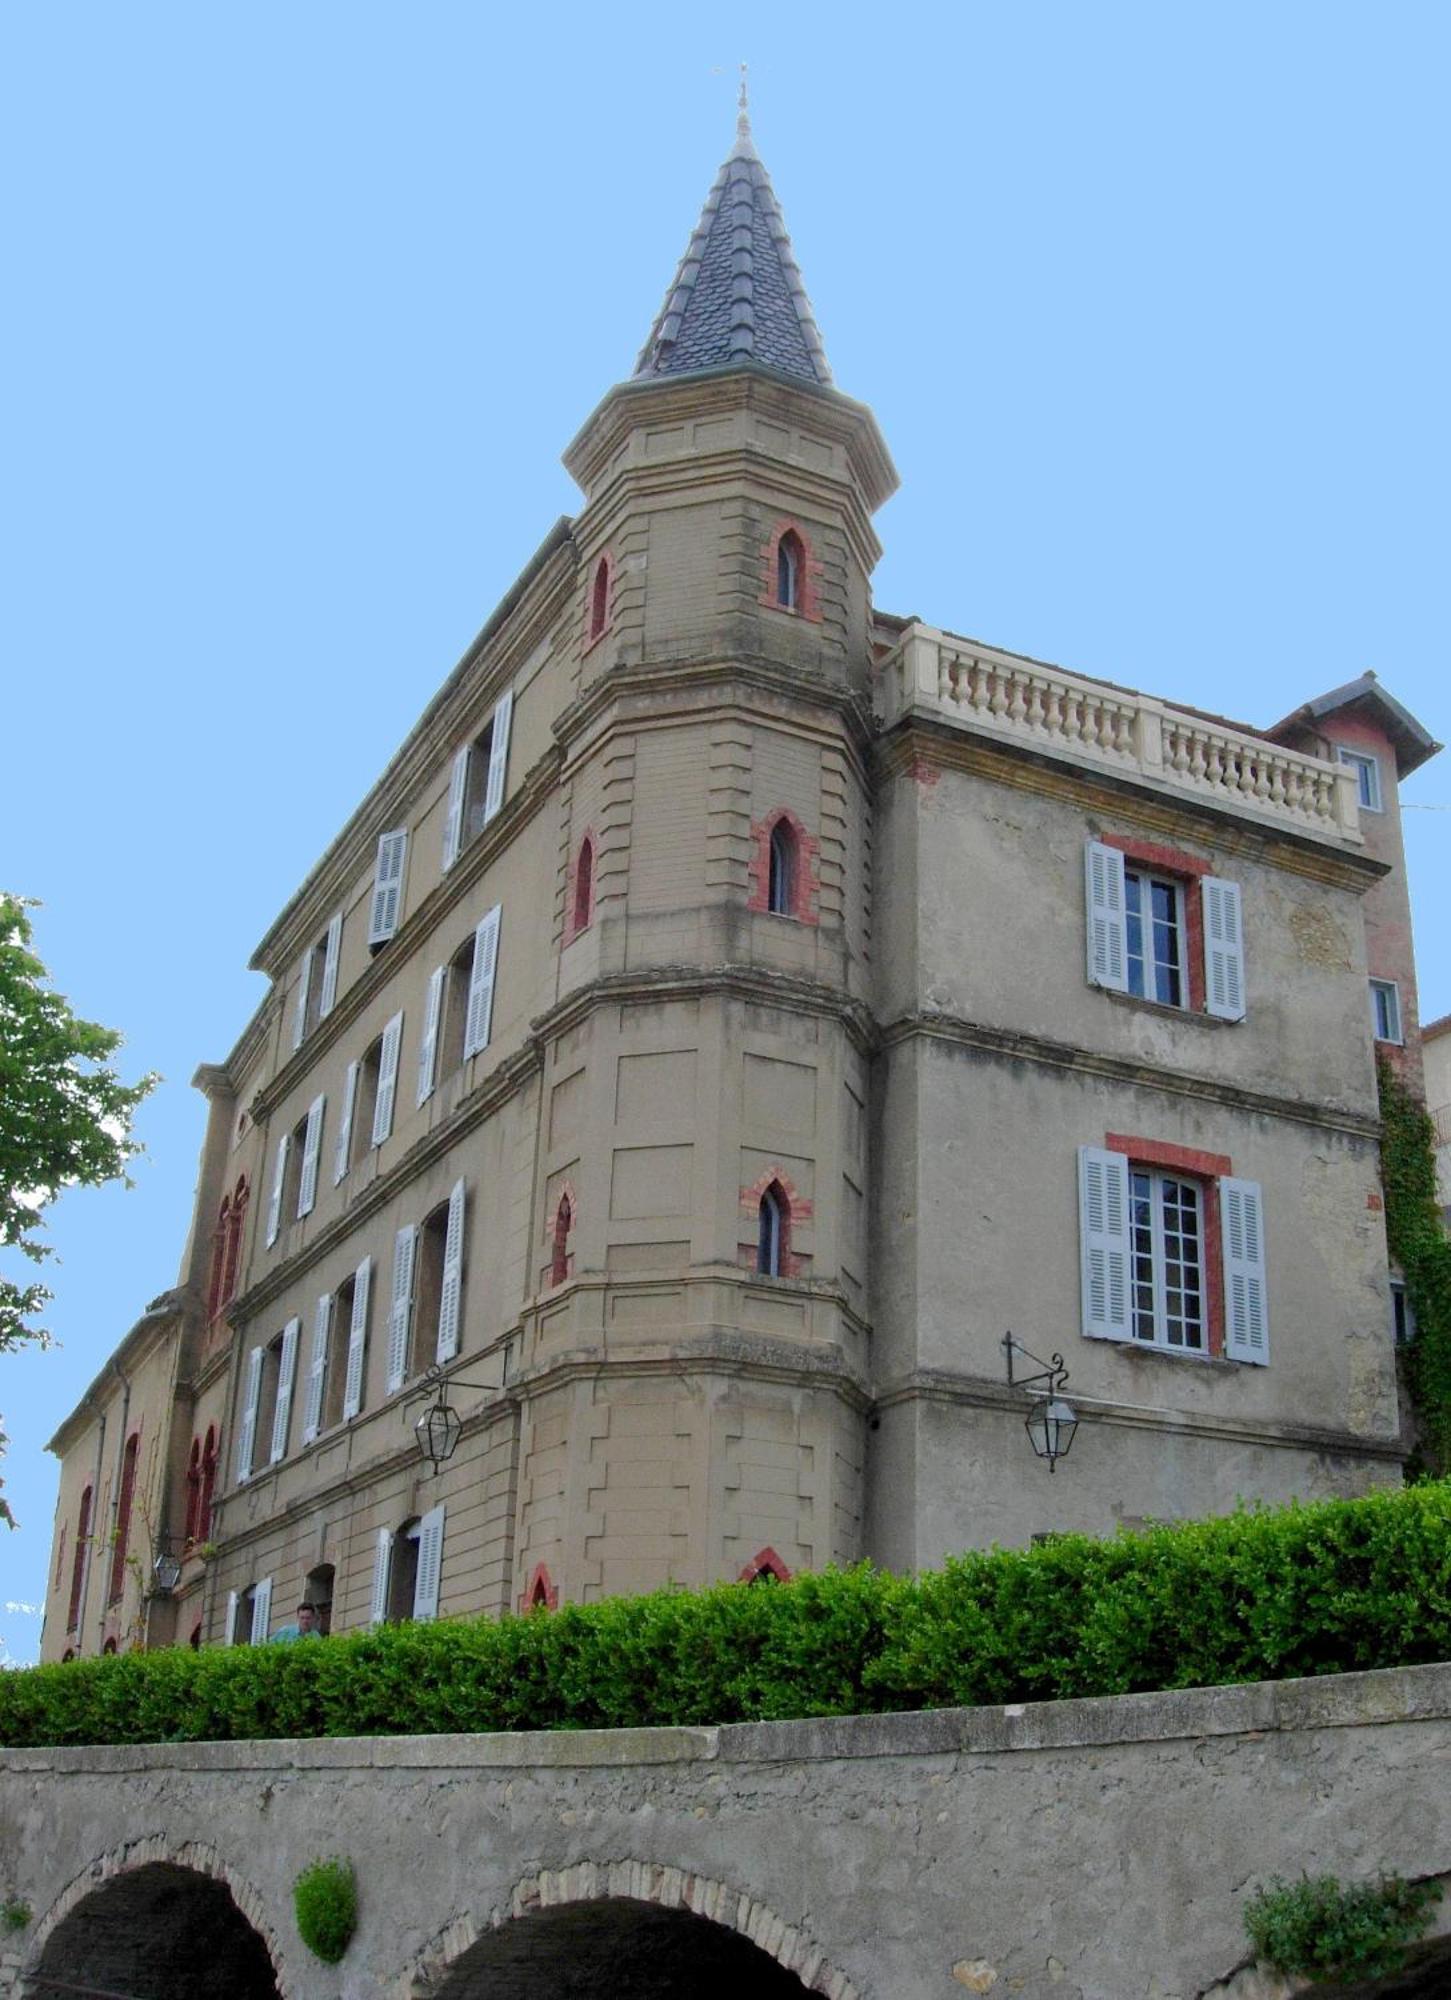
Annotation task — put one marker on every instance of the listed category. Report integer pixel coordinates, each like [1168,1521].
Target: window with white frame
[386,911]
[1144,1238]
[408,1569]
[1385,1010]
[465,998]
[1367,777]
[477,781]
[1139,920]
[1154,938]
[1403,1320]
[317,981]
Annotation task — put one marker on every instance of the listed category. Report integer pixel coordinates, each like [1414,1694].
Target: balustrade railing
[1049,710]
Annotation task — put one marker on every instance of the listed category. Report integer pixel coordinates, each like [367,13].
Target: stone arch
[603,1883]
[155,1852]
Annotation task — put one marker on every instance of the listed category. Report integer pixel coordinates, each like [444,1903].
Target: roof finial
[743,110]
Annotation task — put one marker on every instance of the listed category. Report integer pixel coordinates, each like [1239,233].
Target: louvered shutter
[357,1340]
[387,1080]
[261,1611]
[247,1434]
[1246,1303]
[481,984]
[286,1375]
[274,1206]
[327,999]
[430,1564]
[388,885]
[382,1560]
[1103,1200]
[311,1146]
[451,1290]
[317,1368]
[345,1124]
[428,1047]
[498,755]
[453,826]
[230,1627]
[1223,949]
[304,987]
[401,1308]
[1103,869]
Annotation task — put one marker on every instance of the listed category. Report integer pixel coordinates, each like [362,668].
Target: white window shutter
[430,1564]
[261,1611]
[398,1316]
[1223,949]
[304,987]
[286,1375]
[453,826]
[1103,870]
[388,885]
[481,984]
[274,1206]
[498,755]
[428,1047]
[382,1562]
[327,999]
[1104,1242]
[317,1368]
[451,1290]
[387,1080]
[357,1340]
[1246,1303]
[345,1124]
[247,1434]
[311,1147]
[230,1628]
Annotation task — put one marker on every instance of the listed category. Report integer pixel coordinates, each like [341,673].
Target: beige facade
[713,1034]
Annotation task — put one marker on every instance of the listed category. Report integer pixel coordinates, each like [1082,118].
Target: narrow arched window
[193,1489]
[771,1231]
[789,557]
[78,1562]
[539,1600]
[781,874]
[221,1240]
[123,1516]
[599,598]
[584,885]
[233,1233]
[563,1222]
[209,1480]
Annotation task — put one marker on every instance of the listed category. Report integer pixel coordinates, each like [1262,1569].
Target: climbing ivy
[1418,1242]
[1323,1930]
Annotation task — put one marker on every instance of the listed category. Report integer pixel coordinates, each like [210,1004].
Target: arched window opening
[210,1453]
[540,1593]
[789,558]
[318,1592]
[781,872]
[403,1572]
[765,1566]
[584,886]
[221,1242]
[68,1654]
[123,1515]
[108,1650]
[539,1597]
[78,1562]
[774,1215]
[599,598]
[233,1254]
[563,1222]
[193,1489]
[195,1641]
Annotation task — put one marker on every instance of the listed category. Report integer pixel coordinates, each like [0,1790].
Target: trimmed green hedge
[1260,1595]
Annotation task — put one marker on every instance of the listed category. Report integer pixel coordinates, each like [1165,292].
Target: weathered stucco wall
[1097,1850]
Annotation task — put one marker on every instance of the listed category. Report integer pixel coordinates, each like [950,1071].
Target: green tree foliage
[1267,1594]
[1418,1243]
[65,1116]
[325,1897]
[1317,1929]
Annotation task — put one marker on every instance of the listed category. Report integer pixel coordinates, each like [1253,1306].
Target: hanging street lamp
[440,1427]
[1052,1423]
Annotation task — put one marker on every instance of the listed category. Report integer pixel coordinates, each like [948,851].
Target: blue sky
[304,304]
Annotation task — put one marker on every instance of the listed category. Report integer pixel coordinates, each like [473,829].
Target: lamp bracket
[1050,1375]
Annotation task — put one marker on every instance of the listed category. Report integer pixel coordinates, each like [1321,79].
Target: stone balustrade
[1051,712]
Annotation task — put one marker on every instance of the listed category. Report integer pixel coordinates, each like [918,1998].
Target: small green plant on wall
[14,1914]
[1322,1930]
[325,1897]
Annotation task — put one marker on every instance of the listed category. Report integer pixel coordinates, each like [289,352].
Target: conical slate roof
[738,295]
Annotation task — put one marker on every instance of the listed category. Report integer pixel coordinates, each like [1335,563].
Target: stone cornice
[920,739]
[1016,1046]
[741,982]
[936,1385]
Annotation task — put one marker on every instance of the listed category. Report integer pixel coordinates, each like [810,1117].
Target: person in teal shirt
[305,1628]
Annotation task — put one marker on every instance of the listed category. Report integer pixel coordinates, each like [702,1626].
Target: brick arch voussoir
[197,1855]
[653,1882]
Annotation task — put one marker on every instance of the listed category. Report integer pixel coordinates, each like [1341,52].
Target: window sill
[1196,1015]
[1152,1350]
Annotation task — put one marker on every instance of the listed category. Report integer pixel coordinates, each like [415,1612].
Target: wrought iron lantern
[1052,1423]
[440,1427]
[166,1569]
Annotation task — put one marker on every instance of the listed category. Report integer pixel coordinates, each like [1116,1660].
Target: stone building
[733,1011]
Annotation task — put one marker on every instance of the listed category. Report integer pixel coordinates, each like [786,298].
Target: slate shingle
[738,295]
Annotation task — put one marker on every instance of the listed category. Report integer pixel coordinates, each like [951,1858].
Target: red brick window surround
[1188,870]
[791,578]
[193,1489]
[78,1561]
[765,1565]
[579,891]
[561,1262]
[1205,1170]
[211,1454]
[123,1515]
[770,1209]
[600,614]
[784,868]
[541,1593]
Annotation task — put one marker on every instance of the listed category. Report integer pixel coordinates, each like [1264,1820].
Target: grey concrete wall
[1096,1850]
